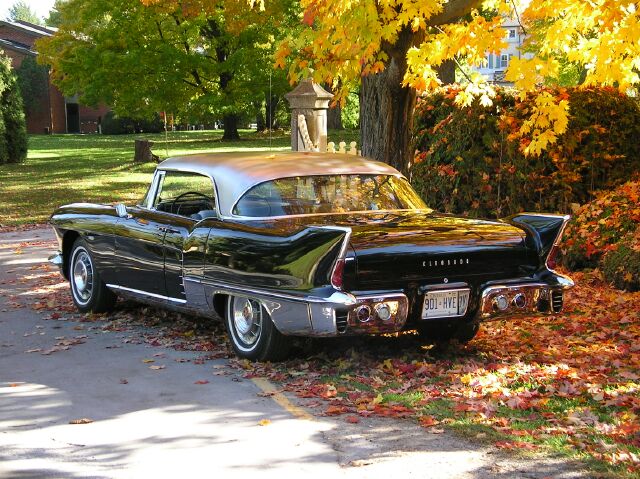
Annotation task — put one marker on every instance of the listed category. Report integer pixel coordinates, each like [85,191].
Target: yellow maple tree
[343,41]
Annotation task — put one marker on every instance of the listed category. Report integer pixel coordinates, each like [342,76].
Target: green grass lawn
[63,169]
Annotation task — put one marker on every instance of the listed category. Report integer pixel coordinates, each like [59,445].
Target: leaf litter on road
[570,383]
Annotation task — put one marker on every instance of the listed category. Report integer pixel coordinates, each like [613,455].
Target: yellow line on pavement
[269,389]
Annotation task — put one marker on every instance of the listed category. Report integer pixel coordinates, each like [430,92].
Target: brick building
[55,113]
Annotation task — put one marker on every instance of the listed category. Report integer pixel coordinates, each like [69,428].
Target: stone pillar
[312,101]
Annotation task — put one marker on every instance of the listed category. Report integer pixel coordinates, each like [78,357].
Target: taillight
[338,274]
[552,257]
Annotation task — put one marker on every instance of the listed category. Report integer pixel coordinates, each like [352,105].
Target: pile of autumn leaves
[569,383]
[605,233]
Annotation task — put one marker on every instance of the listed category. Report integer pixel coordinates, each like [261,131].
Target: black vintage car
[306,244]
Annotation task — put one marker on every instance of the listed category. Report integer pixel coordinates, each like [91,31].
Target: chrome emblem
[445,262]
[446,280]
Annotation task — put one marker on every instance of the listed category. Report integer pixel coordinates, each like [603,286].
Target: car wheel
[88,291]
[252,332]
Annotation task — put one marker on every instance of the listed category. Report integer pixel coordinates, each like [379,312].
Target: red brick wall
[16,57]
[52,114]
[89,118]
[10,33]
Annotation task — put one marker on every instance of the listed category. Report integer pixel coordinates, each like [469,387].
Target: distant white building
[496,64]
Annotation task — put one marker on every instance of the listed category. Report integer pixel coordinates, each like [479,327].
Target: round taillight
[501,303]
[363,313]
[520,300]
[383,311]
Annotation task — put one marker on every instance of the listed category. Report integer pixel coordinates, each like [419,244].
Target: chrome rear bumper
[510,299]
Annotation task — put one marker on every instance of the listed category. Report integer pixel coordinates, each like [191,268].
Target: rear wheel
[88,291]
[252,332]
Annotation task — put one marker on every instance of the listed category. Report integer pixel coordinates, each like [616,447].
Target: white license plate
[444,304]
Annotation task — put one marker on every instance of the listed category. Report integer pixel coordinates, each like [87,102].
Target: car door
[140,251]
[152,237]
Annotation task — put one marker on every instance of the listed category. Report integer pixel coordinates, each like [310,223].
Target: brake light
[338,274]
[552,257]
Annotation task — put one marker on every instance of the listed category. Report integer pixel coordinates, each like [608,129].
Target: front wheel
[252,332]
[88,291]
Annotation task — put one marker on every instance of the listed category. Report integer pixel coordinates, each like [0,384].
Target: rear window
[328,194]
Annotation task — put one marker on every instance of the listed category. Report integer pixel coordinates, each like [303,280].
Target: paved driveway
[149,410]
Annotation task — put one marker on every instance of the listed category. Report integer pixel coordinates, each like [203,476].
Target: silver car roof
[235,173]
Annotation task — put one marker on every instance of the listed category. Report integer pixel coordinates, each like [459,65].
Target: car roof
[235,173]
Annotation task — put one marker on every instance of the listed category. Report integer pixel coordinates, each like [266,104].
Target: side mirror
[121,211]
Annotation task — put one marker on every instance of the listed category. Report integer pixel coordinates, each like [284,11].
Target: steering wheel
[193,193]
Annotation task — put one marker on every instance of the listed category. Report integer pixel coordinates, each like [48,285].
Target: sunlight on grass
[62,169]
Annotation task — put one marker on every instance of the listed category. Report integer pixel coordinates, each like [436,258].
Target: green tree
[22,11]
[54,19]
[13,131]
[141,59]
[33,83]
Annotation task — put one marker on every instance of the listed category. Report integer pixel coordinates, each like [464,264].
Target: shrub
[470,161]
[116,125]
[13,129]
[621,266]
[598,226]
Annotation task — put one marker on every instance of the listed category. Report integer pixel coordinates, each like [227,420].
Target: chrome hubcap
[82,277]
[247,319]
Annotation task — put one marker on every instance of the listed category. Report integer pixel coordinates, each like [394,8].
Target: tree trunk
[386,110]
[447,72]
[334,118]
[230,127]
[260,123]
[142,152]
[271,103]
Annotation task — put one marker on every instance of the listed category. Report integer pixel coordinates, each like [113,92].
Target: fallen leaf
[156,367]
[264,422]
[202,381]
[352,419]
[428,421]
[84,420]
[148,360]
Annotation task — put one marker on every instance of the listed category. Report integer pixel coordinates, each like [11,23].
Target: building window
[490,60]
[504,61]
[512,33]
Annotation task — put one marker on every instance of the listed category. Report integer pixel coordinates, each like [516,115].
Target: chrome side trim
[145,293]
[336,296]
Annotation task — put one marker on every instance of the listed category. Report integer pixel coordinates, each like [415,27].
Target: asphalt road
[158,412]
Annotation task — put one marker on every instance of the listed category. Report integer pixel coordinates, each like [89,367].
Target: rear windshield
[328,194]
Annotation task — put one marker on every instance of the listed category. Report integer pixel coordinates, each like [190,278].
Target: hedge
[469,160]
[605,233]
[116,125]
[13,129]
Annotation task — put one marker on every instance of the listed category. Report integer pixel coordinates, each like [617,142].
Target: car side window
[185,194]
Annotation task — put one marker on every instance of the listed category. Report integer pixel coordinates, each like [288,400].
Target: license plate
[445,304]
